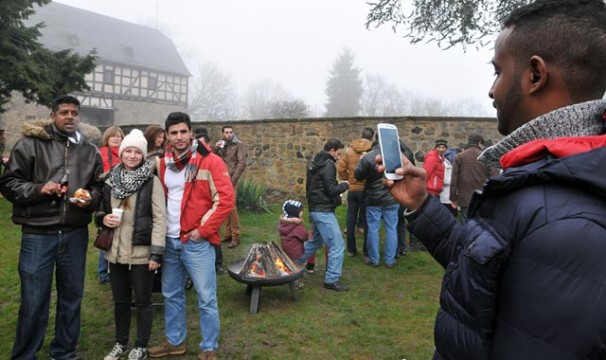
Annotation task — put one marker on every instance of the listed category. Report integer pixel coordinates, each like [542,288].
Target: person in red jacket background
[433,163]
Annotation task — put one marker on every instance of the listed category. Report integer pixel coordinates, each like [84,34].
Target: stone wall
[279,151]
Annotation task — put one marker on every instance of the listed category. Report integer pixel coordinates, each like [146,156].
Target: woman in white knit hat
[138,242]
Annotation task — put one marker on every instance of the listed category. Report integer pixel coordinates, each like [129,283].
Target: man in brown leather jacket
[45,168]
[233,152]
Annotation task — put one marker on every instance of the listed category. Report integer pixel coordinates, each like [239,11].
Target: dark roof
[116,41]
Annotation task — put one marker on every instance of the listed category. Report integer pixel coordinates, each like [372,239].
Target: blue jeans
[196,258]
[390,219]
[102,274]
[356,217]
[39,256]
[326,231]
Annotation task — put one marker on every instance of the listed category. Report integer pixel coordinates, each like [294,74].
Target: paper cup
[118,212]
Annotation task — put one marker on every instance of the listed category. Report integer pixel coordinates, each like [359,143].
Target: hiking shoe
[336,286]
[167,348]
[138,353]
[115,353]
[207,355]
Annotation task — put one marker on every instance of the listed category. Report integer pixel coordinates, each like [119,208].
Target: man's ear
[538,74]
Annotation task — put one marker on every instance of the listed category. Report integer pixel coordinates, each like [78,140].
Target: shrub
[251,197]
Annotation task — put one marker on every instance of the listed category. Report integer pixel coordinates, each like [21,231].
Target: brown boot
[167,348]
[207,355]
[226,239]
[233,243]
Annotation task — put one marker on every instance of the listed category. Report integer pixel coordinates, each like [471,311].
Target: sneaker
[310,268]
[138,353]
[351,253]
[336,286]
[115,353]
[389,266]
[207,355]
[167,348]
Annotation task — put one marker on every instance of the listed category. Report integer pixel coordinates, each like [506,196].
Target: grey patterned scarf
[125,183]
[581,119]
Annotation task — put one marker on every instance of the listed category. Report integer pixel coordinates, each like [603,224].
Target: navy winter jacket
[525,276]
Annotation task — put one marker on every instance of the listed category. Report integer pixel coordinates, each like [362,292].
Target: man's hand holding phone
[406,181]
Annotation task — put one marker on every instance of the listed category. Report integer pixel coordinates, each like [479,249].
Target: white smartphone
[390,150]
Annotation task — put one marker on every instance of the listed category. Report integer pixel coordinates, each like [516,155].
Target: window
[108,76]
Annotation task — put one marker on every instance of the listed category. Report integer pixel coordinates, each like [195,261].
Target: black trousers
[124,282]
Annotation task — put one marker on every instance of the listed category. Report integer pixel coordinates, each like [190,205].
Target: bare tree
[288,109]
[381,98]
[265,100]
[446,22]
[213,95]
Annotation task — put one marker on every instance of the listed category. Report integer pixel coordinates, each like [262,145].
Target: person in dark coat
[323,196]
[45,169]
[468,174]
[525,275]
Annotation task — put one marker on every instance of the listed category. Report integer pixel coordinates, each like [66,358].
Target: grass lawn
[387,314]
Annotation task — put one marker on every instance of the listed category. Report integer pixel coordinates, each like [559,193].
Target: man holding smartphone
[323,196]
[525,275]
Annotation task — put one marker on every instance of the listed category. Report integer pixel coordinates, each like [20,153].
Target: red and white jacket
[207,200]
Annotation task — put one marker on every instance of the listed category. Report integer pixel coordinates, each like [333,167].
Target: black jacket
[43,155]
[525,276]
[375,191]
[323,191]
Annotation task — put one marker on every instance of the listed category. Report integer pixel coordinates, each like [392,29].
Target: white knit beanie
[134,139]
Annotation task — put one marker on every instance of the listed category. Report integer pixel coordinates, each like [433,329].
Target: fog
[294,43]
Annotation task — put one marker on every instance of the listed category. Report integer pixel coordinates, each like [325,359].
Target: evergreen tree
[27,67]
[344,87]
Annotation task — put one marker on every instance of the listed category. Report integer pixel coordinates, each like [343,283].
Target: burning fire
[267,261]
[257,268]
[282,267]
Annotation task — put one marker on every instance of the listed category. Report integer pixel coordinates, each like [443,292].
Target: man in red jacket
[199,197]
[433,163]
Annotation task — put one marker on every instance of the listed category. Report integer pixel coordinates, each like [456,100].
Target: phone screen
[390,148]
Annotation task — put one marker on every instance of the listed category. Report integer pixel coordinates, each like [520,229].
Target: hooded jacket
[45,154]
[525,276]
[323,191]
[346,165]
[292,236]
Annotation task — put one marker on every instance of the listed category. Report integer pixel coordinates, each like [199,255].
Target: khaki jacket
[348,162]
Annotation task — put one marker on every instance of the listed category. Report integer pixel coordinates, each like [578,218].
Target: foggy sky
[295,42]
